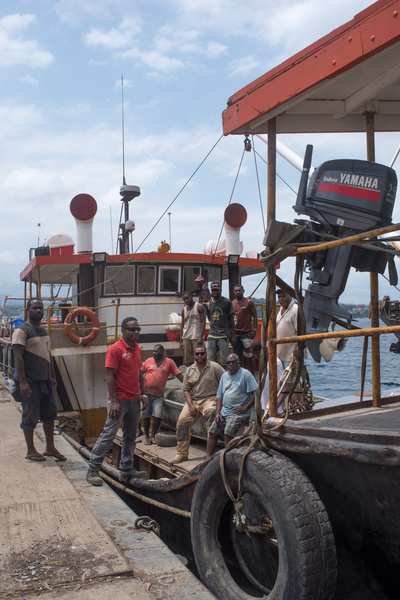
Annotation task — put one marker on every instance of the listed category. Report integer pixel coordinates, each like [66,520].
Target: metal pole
[374,287]
[169,224]
[271,211]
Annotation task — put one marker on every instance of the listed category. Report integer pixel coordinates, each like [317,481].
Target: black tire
[296,561]
[166,439]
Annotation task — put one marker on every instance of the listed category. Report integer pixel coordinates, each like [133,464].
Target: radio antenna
[123,132]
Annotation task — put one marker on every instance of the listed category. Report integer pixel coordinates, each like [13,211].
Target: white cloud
[243,66]
[155,60]
[118,37]
[28,79]
[14,50]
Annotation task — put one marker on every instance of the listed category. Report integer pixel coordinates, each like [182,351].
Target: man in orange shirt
[156,371]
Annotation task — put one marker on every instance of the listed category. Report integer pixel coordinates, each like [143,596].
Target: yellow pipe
[349,240]
[348,333]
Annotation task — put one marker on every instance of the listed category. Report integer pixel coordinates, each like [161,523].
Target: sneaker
[93,478]
[178,459]
[132,474]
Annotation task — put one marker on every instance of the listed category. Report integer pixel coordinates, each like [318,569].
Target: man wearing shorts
[235,398]
[156,371]
[35,377]
[246,321]
[193,323]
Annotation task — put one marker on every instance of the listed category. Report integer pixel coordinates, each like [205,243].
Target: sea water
[342,375]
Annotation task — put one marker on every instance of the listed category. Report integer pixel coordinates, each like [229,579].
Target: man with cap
[222,324]
[202,290]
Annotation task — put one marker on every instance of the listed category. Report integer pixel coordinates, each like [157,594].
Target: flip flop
[148,443]
[56,455]
[35,457]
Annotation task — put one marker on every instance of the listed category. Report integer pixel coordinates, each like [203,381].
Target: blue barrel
[15,324]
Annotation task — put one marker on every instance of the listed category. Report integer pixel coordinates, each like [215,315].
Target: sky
[61,63]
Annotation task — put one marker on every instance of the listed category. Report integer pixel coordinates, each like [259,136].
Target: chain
[147,524]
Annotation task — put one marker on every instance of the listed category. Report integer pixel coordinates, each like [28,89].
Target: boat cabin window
[119,279]
[212,274]
[146,280]
[169,280]
[189,275]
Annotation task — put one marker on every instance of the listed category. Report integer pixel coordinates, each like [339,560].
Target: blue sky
[60,108]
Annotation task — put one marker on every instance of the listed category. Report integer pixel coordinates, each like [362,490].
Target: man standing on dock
[222,324]
[200,386]
[156,371]
[125,393]
[246,321]
[36,380]
[193,324]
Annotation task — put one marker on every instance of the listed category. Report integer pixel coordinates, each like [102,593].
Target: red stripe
[349,190]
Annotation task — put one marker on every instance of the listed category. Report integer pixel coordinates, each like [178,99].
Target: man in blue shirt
[235,398]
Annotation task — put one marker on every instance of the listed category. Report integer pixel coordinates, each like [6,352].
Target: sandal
[56,455]
[37,457]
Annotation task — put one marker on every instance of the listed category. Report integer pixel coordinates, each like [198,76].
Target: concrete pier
[61,537]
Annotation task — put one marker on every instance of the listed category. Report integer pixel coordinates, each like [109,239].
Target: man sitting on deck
[156,371]
[200,385]
[235,398]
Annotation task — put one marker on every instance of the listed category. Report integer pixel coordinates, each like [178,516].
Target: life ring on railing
[70,320]
[295,558]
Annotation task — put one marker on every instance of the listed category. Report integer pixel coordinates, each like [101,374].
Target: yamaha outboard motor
[343,198]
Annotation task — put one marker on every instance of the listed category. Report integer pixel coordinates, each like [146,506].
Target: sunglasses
[199,353]
[133,329]
[232,362]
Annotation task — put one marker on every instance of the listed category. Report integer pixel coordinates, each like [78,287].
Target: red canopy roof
[330,85]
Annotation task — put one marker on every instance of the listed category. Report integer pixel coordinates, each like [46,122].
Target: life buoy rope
[70,320]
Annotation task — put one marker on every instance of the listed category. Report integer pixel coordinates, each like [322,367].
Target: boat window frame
[155,280]
[117,292]
[177,268]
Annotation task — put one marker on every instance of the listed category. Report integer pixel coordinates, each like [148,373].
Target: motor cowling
[343,198]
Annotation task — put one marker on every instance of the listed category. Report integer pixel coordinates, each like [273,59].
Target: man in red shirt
[246,320]
[156,371]
[125,393]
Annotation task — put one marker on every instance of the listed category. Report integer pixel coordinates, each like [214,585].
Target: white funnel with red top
[235,217]
[83,208]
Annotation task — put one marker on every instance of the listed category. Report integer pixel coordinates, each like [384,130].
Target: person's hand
[192,410]
[239,410]
[53,383]
[181,345]
[143,400]
[115,410]
[200,341]
[25,389]
[233,339]
[253,333]
[218,419]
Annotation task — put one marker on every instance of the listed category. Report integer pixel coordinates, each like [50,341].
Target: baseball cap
[279,290]
[200,279]
[215,285]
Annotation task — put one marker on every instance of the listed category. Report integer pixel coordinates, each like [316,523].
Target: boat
[306,507]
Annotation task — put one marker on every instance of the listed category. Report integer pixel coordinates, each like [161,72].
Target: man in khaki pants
[200,386]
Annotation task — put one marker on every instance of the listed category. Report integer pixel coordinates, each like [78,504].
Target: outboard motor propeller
[343,198]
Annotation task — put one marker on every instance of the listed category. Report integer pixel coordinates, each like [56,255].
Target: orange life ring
[70,319]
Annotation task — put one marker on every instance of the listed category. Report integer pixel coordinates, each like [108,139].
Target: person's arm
[24,386]
[180,377]
[115,409]
[232,324]
[240,410]
[218,411]
[181,332]
[191,406]
[254,314]
[202,315]
[143,397]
